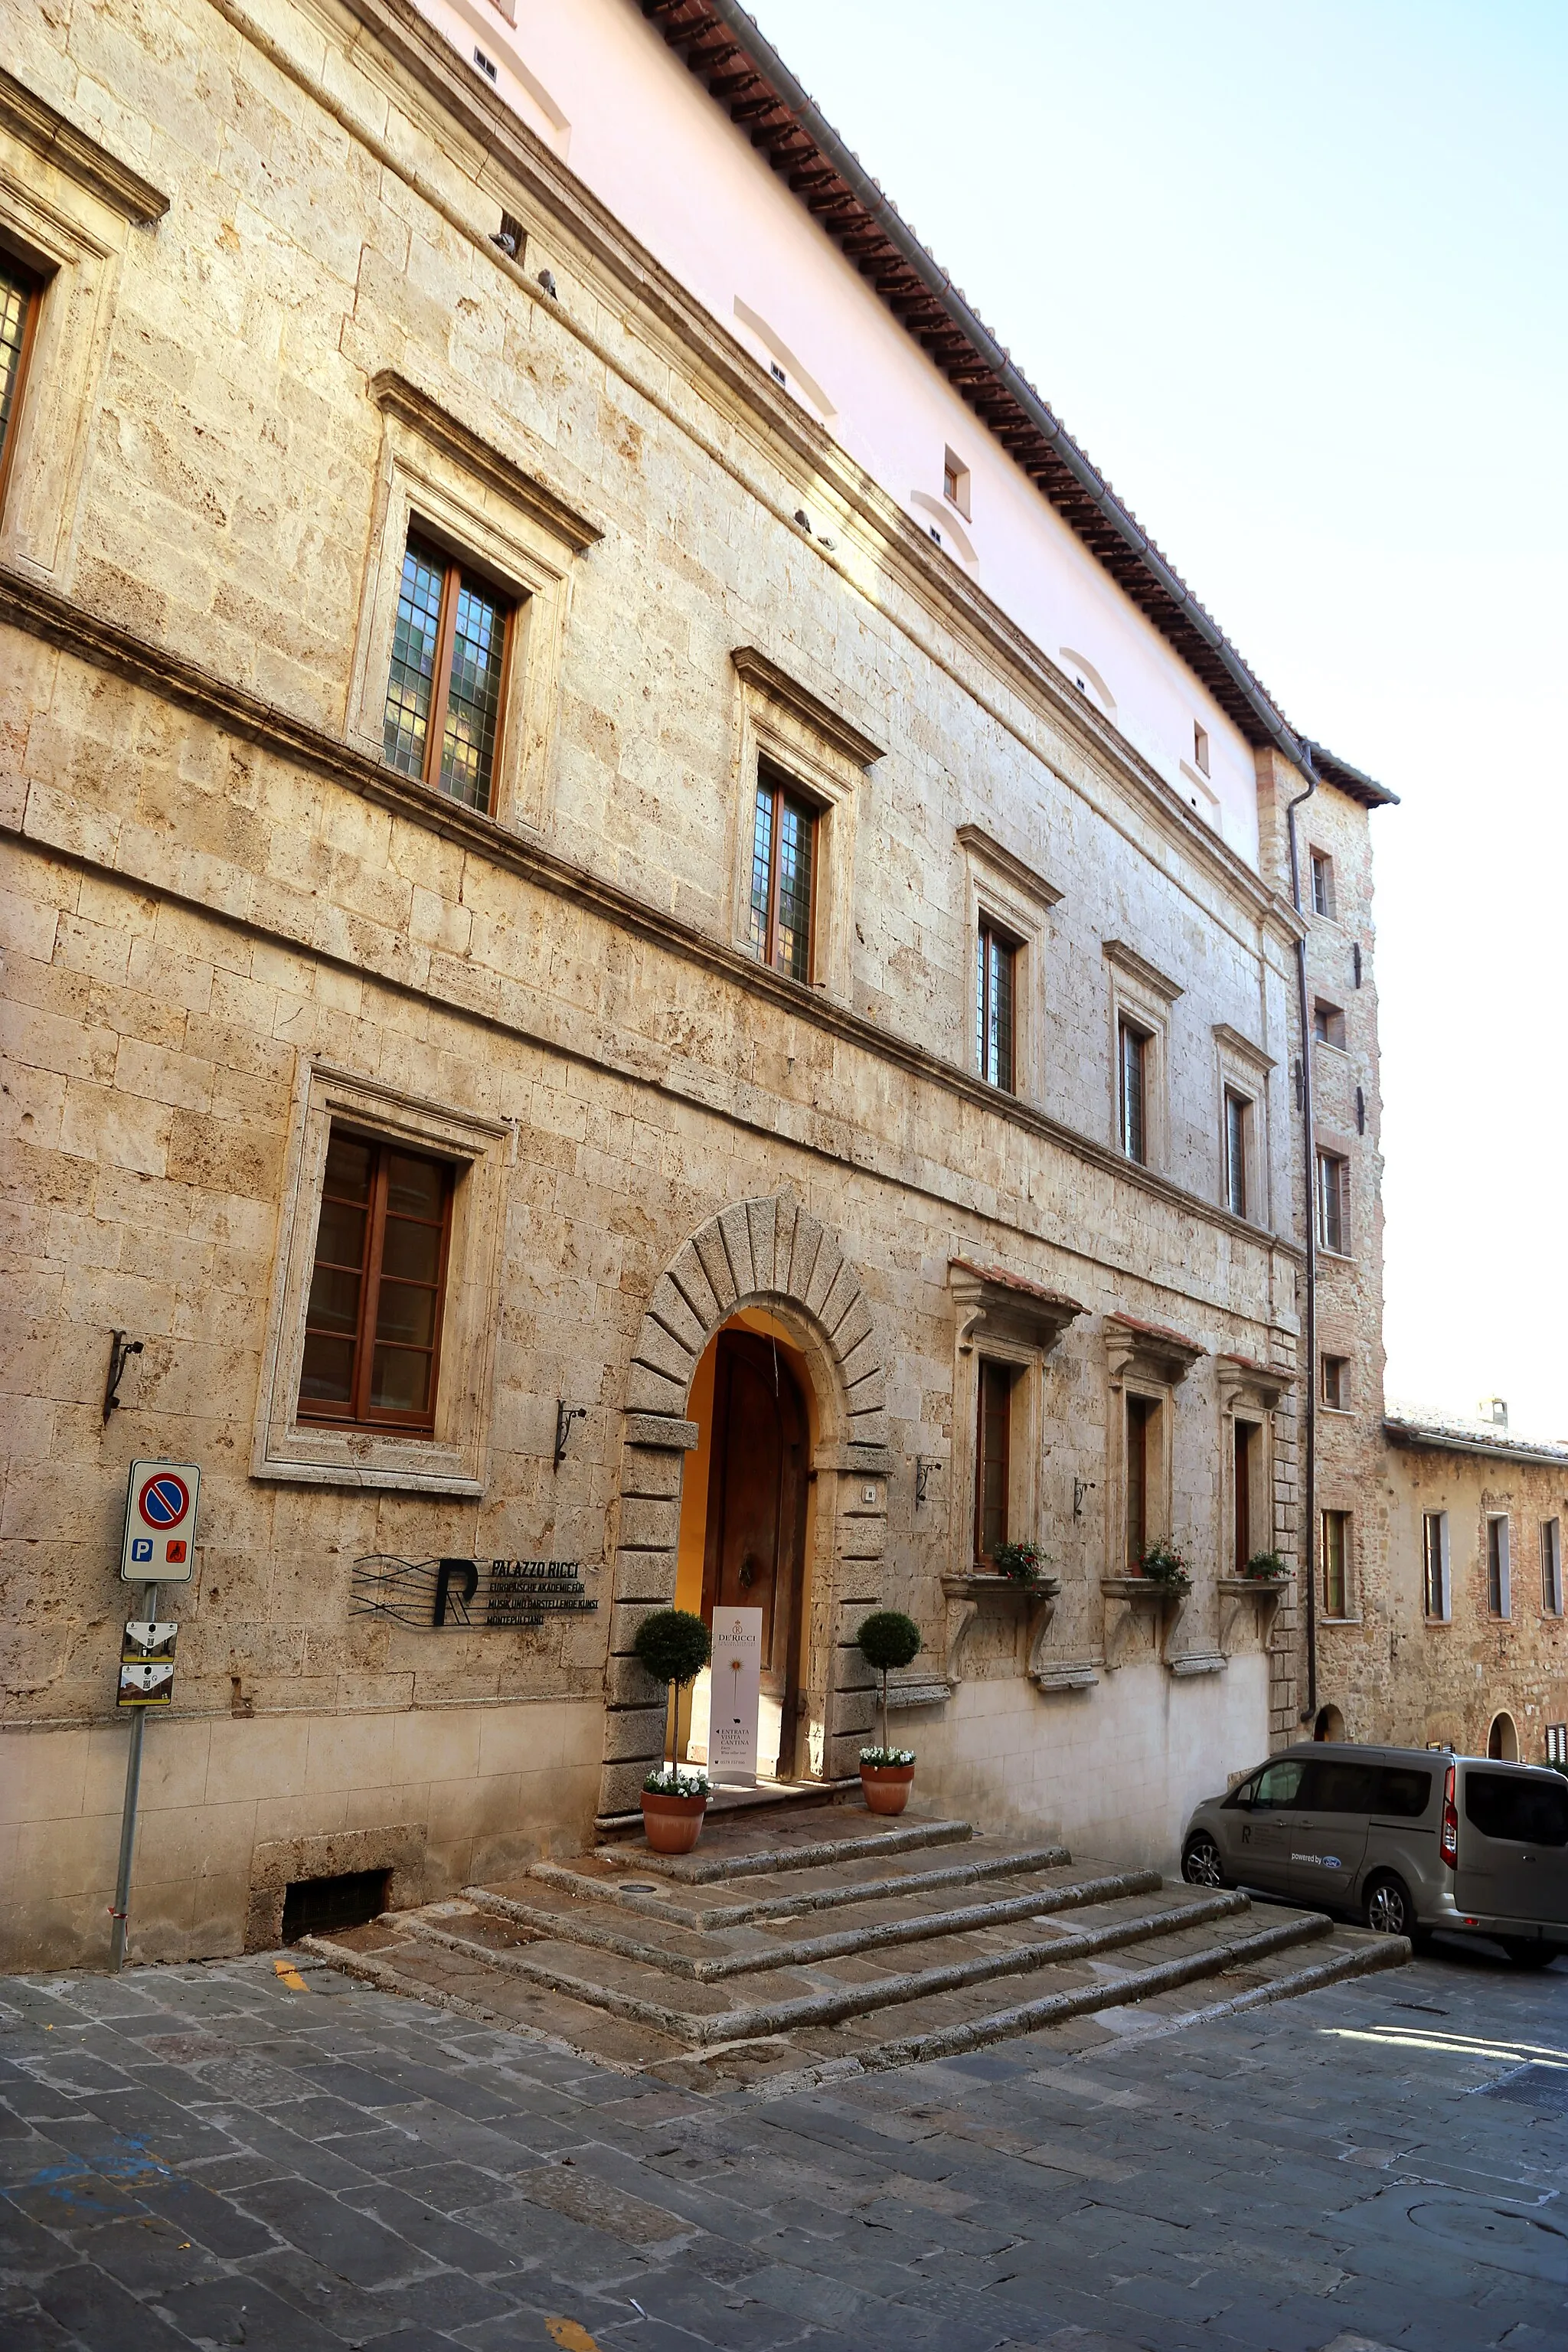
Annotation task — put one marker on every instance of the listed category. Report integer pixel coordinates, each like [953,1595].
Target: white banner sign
[736,1687]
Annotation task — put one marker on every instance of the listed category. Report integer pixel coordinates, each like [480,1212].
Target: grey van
[1406,1840]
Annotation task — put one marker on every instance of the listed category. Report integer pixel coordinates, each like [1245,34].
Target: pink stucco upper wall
[594,78]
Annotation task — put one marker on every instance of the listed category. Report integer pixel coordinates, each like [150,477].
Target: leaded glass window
[444,691]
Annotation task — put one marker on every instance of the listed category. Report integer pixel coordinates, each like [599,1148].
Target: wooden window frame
[458,573]
[1336,1188]
[33,286]
[1246,1461]
[995,1377]
[1128,1030]
[1435,1566]
[1499,1562]
[1237,1152]
[1201,747]
[1140,1414]
[1336,1401]
[1320,869]
[991,937]
[1342,1524]
[359,1412]
[785,789]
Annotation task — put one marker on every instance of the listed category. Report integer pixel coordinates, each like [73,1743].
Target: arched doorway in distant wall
[1503,1739]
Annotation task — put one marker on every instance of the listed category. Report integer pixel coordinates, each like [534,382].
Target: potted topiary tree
[886,1639]
[673,1646]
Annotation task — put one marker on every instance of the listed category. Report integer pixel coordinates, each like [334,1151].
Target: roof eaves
[1335,771]
[727,50]
[1443,1437]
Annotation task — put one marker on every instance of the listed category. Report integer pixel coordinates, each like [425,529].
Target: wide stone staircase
[802,1941]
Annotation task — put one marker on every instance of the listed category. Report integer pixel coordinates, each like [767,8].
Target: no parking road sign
[159,1540]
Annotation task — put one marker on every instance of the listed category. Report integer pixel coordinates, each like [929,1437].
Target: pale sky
[1295,278]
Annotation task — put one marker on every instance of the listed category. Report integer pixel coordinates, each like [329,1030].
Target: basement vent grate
[316,1906]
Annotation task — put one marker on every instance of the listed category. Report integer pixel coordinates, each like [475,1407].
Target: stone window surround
[1001,1319]
[1243,1069]
[1143,1360]
[1249,1393]
[1002,891]
[825,757]
[1140,993]
[454,1459]
[66,208]
[441,481]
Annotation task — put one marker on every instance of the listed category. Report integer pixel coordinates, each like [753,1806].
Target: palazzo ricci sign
[474,1593]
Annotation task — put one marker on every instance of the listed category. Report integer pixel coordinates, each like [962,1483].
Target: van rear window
[1531,1812]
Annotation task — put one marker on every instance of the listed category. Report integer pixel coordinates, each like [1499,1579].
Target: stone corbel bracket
[991,1303]
[963,1595]
[1129,1596]
[1237,1594]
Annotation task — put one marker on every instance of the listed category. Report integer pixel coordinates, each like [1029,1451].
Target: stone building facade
[318,325]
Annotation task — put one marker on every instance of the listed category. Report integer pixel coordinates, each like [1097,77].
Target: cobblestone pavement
[254,2153]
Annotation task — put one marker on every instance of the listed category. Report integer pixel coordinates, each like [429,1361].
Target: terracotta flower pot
[886,1787]
[672,1824]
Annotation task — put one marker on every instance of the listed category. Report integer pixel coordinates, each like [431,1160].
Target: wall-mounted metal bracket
[119,1356]
[1081,1487]
[925,1466]
[565,1414]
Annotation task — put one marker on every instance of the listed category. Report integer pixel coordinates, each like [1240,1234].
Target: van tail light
[1450,1837]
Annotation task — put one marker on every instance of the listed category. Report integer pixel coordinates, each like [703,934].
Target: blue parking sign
[142,1547]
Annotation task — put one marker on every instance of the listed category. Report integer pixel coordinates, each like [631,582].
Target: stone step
[582,1922]
[633,1990]
[760,1848]
[823,1941]
[823,1888]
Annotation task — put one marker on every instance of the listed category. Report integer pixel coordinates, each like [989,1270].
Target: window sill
[1437,1623]
[1339,1620]
[409,1477]
[1340,1412]
[1341,1257]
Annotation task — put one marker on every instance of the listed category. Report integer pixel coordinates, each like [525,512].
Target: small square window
[486,64]
[1336,1550]
[783,873]
[1322,868]
[18,319]
[1329,1024]
[1333,1203]
[1336,1385]
[955,482]
[1201,747]
[994,994]
[448,663]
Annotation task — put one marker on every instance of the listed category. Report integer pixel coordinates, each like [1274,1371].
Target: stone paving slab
[205,2156]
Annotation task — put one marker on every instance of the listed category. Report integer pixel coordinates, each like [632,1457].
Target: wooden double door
[757,1489]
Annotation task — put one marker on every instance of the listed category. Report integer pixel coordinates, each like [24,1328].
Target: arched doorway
[1503,1739]
[772,1256]
[1329,1725]
[744,1522]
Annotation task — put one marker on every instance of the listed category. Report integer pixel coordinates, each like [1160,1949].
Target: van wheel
[1530,1955]
[1387,1908]
[1201,1865]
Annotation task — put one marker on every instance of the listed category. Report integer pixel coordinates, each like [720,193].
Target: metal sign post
[159,1535]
